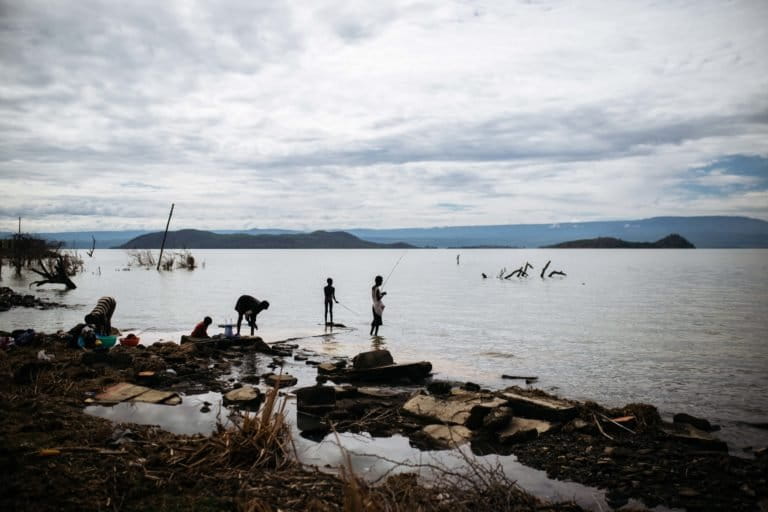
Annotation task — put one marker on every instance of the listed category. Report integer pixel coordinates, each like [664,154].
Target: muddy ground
[93,464]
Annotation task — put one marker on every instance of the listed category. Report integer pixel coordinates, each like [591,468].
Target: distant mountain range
[196,239]
[668,242]
[703,232]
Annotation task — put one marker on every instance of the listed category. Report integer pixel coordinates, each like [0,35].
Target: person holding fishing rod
[330,297]
[378,305]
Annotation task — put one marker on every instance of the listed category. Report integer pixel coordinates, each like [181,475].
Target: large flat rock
[283,380]
[127,392]
[688,434]
[523,429]
[245,396]
[448,435]
[464,410]
[540,407]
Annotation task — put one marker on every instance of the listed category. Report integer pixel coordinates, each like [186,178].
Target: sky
[342,114]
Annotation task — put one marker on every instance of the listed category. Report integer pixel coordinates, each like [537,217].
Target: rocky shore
[55,457]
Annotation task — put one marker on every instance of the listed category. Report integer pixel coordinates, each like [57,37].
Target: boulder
[523,429]
[457,411]
[372,359]
[283,380]
[448,436]
[691,435]
[540,407]
[699,423]
[312,397]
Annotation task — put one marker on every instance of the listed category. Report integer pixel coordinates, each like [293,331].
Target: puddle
[184,418]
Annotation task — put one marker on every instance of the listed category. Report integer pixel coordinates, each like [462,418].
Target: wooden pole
[162,246]
[19,225]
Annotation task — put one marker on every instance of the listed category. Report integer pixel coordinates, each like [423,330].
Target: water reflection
[185,418]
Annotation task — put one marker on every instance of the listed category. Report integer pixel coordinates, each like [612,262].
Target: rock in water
[285,380]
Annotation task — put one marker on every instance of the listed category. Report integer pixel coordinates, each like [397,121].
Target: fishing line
[349,309]
[393,268]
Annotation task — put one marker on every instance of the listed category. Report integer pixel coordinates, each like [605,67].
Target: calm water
[684,330]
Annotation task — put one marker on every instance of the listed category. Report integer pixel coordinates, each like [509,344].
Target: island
[198,239]
[673,241]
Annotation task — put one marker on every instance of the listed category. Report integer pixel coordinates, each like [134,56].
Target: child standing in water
[330,297]
[378,306]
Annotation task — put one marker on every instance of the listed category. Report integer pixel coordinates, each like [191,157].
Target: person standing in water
[378,305]
[330,297]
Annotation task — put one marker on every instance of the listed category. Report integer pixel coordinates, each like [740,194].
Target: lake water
[682,329]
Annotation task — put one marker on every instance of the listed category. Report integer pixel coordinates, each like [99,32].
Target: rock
[689,434]
[439,387]
[345,391]
[542,407]
[458,411]
[699,423]
[498,418]
[251,379]
[314,396]
[523,429]
[28,301]
[300,357]
[284,380]
[687,492]
[377,392]
[448,435]
[471,386]
[372,359]
[244,396]
[326,367]
[579,424]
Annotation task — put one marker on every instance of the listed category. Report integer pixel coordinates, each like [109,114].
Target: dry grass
[478,486]
[261,441]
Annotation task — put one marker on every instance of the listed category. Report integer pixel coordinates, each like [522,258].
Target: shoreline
[643,466]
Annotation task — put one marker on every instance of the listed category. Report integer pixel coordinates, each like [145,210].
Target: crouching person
[101,316]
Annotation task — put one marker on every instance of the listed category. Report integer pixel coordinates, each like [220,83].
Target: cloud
[342,114]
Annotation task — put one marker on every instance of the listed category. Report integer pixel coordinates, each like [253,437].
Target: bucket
[107,341]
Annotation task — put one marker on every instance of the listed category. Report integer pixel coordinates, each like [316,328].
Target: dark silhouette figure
[330,297]
[249,307]
[101,316]
[201,329]
[378,306]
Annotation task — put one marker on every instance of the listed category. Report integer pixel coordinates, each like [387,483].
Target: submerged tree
[25,251]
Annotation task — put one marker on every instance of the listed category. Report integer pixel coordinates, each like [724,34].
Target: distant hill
[196,239]
[703,232]
[673,241]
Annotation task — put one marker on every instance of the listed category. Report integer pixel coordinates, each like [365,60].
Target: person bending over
[249,307]
[101,316]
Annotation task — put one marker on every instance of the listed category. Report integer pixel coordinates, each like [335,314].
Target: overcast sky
[321,115]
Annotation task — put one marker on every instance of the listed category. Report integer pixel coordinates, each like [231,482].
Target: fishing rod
[393,268]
